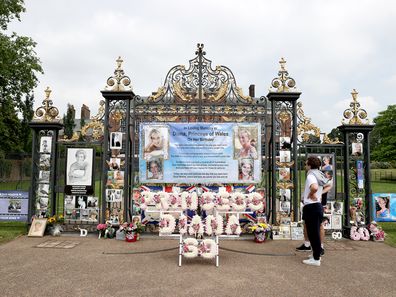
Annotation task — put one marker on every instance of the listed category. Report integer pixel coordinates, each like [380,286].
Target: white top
[311,179]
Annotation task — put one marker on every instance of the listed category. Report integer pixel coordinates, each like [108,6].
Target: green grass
[11,230]
[378,187]
[390,230]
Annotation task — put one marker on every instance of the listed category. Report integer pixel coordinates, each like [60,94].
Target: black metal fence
[15,171]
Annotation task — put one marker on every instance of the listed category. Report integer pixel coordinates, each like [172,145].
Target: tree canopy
[19,66]
[383,136]
[68,121]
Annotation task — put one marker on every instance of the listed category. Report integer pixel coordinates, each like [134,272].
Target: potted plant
[54,225]
[261,231]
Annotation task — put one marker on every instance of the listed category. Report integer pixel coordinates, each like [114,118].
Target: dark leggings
[313,216]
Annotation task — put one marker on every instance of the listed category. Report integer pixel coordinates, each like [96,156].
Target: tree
[336,133]
[19,67]
[68,121]
[383,137]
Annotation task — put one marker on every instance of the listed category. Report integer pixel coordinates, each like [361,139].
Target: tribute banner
[200,153]
[14,206]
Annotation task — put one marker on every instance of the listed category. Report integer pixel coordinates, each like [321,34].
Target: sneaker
[303,248]
[312,261]
[311,257]
[321,251]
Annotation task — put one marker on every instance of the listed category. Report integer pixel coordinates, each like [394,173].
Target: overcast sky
[331,47]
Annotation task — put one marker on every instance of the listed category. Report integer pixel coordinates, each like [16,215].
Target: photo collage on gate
[332,209]
[284,176]
[83,208]
[115,179]
[43,182]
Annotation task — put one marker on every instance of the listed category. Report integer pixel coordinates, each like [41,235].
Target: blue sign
[14,206]
[384,207]
[200,153]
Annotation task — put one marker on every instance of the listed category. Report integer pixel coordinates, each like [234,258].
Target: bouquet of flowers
[56,219]
[261,231]
[376,232]
[54,224]
[132,231]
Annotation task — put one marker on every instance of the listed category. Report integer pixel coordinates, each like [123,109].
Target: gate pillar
[45,126]
[118,96]
[357,179]
[283,98]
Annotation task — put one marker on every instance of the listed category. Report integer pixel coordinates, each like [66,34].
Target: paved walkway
[74,266]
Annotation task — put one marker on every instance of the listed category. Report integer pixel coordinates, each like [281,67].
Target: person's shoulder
[311,178]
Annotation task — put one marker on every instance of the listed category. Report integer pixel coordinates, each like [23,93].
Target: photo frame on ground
[336,222]
[37,228]
[297,233]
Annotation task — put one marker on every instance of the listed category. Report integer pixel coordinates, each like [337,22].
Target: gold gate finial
[46,112]
[283,83]
[119,81]
[355,115]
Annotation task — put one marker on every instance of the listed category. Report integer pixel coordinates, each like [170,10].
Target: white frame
[72,159]
[113,145]
[49,144]
[41,229]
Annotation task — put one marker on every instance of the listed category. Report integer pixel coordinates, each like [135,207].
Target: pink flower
[101,226]
[163,223]
[157,198]
[173,199]
[213,223]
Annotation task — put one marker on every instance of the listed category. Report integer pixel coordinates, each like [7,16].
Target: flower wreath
[255,201]
[182,224]
[214,225]
[207,249]
[189,201]
[238,201]
[145,199]
[222,201]
[233,226]
[207,201]
[196,226]
[174,200]
[190,248]
[164,205]
[167,224]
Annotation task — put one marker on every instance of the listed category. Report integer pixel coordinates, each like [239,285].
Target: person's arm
[313,188]
[326,188]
